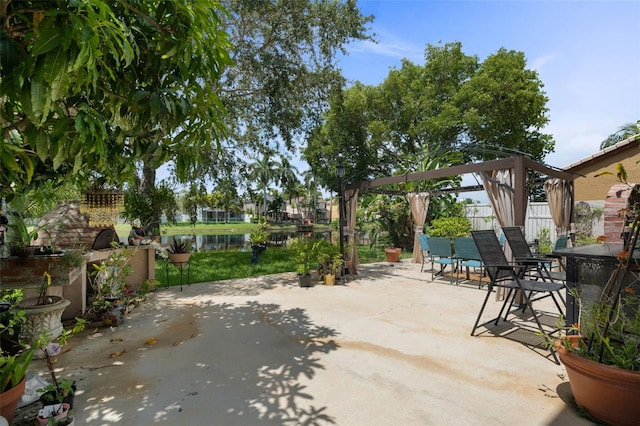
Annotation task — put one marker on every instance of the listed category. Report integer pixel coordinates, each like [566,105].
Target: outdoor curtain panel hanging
[419,203]
[559,197]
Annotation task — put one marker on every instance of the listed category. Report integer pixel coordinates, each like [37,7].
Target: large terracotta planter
[42,318]
[393,254]
[9,400]
[608,393]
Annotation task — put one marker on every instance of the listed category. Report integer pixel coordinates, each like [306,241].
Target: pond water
[239,241]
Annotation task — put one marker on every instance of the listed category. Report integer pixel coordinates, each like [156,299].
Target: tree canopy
[284,69]
[88,87]
[451,110]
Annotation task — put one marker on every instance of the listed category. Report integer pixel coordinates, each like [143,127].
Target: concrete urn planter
[42,318]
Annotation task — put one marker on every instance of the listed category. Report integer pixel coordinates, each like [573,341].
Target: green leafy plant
[108,281]
[305,257]
[329,257]
[609,325]
[179,246]
[450,227]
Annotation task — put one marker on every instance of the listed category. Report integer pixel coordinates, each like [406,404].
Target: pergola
[506,182]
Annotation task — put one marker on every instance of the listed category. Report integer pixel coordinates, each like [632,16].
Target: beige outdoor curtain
[351,204]
[419,203]
[559,197]
[499,186]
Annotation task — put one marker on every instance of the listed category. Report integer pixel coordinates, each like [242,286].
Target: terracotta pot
[9,400]
[179,258]
[608,393]
[393,254]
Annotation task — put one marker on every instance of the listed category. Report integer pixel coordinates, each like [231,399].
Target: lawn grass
[212,228]
[217,265]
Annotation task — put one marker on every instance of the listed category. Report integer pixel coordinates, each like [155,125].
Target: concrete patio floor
[388,348]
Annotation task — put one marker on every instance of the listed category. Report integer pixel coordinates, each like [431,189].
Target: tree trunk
[147,186]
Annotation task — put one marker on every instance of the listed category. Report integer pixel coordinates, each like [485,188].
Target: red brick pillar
[615,207]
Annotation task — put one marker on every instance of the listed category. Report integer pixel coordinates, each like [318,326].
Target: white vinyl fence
[538,218]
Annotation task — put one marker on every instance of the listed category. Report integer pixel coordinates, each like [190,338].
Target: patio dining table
[588,269]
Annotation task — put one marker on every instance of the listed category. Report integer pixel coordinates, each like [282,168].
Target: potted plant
[13,370]
[305,257]
[111,293]
[179,251]
[258,240]
[601,353]
[329,260]
[43,313]
[57,397]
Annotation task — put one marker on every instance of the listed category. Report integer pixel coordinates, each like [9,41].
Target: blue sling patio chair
[423,239]
[441,254]
[468,257]
[507,275]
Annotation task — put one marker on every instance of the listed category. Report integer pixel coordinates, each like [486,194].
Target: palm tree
[265,171]
[623,132]
[288,176]
[310,183]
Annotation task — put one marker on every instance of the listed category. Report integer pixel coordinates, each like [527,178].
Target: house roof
[600,155]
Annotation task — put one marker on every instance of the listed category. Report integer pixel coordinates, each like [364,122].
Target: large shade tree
[452,103]
[88,88]
[285,67]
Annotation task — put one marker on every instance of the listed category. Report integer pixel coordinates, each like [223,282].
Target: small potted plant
[13,371]
[111,293]
[258,240]
[329,260]
[57,397]
[304,250]
[179,251]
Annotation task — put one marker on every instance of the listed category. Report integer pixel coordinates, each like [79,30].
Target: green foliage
[450,227]
[109,281]
[390,220]
[179,246]
[544,241]
[134,78]
[305,254]
[329,257]
[146,208]
[452,109]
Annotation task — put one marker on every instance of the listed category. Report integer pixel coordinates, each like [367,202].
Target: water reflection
[241,241]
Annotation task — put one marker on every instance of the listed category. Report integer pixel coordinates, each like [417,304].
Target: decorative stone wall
[619,198]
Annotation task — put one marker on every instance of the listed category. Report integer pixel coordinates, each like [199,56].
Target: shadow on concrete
[237,364]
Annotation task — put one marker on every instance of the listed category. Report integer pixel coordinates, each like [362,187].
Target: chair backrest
[466,249]
[424,242]
[561,243]
[440,247]
[492,255]
[517,242]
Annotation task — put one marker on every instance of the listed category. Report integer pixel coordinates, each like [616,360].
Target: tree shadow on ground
[210,363]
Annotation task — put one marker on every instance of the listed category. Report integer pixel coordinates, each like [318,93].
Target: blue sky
[587,54]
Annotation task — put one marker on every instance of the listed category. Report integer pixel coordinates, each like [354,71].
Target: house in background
[597,192]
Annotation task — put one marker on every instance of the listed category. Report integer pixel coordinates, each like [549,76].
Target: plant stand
[180,266]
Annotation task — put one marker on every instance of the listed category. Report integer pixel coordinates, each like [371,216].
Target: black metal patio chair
[532,266]
[507,275]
